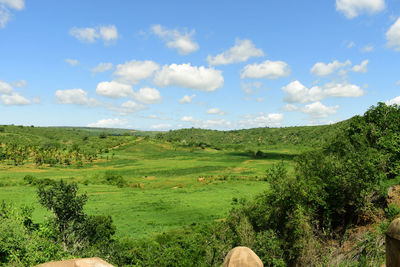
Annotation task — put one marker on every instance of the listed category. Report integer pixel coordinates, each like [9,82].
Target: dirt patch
[393,196]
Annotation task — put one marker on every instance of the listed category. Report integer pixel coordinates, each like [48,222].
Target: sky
[161,65]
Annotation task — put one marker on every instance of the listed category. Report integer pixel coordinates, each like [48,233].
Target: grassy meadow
[166,185]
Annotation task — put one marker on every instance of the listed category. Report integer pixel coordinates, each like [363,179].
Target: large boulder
[242,257]
[86,262]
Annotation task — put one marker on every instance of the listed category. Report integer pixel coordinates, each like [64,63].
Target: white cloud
[182,42]
[393,101]
[398,83]
[296,92]
[187,76]
[5,87]
[75,96]
[5,16]
[102,67]
[91,35]
[14,99]
[5,6]
[267,69]
[163,126]
[86,35]
[262,120]
[14,4]
[148,95]
[19,84]
[130,107]
[317,109]
[354,8]
[393,36]
[342,90]
[322,69]
[215,111]
[133,71]
[362,68]
[108,123]
[241,52]
[260,99]
[108,33]
[368,49]
[114,89]
[186,99]
[72,62]
[251,87]
[187,119]
[290,107]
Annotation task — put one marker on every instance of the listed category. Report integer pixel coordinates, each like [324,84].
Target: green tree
[67,207]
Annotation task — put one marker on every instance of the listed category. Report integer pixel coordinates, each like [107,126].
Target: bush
[112,178]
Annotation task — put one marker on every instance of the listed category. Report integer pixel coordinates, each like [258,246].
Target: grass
[166,186]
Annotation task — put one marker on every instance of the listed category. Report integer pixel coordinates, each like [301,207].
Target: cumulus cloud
[267,69]
[187,119]
[187,76]
[14,99]
[108,33]
[19,84]
[262,120]
[354,8]
[75,96]
[114,89]
[14,4]
[323,69]
[393,36]
[290,107]
[108,123]
[102,67]
[134,71]
[5,87]
[241,52]
[147,95]
[362,68]
[296,92]
[317,109]
[398,83]
[90,35]
[186,99]
[215,111]
[181,41]
[72,62]
[129,107]
[393,101]
[5,13]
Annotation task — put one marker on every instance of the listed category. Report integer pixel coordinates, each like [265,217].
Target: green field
[167,186]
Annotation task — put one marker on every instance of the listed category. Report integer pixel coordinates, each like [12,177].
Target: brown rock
[242,257]
[86,262]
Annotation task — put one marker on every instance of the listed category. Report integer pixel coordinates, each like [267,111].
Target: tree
[67,207]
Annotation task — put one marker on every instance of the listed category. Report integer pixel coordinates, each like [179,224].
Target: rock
[86,262]
[242,257]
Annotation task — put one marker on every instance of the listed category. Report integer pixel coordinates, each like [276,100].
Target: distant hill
[307,136]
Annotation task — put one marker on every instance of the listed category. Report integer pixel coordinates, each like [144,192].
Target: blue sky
[160,65]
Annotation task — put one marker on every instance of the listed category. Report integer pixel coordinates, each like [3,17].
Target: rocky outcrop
[86,262]
[242,257]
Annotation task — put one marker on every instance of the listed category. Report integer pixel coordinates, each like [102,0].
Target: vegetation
[296,196]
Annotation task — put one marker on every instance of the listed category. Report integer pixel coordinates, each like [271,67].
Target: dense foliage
[337,186]
[252,139]
[44,146]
